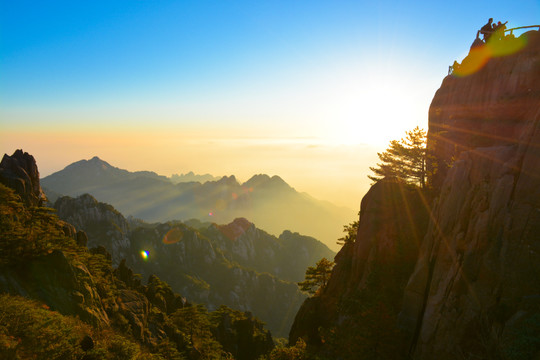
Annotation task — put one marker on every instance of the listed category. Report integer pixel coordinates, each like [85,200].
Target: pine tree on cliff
[350,233]
[404,159]
[317,276]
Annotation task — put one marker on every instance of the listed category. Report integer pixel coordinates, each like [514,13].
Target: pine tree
[350,233]
[404,159]
[317,276]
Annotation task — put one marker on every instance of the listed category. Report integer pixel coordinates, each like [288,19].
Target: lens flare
[480,55]
[173,236]
[144,255]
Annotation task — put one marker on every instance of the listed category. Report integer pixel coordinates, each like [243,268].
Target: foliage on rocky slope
[84,308]
[237,264]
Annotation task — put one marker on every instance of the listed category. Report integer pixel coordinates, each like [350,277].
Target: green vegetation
[368,331]
[28,232]
[404,160]
[30,330]
[296,352]
[317,277]
[208,272]
[81,307]
[350,231]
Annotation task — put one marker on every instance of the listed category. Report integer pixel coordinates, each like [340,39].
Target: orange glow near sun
[480,55]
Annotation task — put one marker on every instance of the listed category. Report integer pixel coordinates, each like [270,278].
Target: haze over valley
[267,201]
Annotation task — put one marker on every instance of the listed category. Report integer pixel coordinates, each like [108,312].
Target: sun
[379,112]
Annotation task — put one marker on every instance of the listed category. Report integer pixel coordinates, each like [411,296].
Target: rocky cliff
[103,225]
[363,296]
[473,290]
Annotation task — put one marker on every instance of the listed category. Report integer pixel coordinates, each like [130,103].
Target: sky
[307,90]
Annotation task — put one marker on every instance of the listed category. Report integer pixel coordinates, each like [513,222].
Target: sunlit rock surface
[102,223]
[475,290]
[493,106]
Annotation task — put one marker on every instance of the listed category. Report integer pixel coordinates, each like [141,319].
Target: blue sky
[68,52]
[225,78]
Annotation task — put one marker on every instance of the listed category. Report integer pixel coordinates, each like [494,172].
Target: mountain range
[267,201]
[236,264]
[191,176]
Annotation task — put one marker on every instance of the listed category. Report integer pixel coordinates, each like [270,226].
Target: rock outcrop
[103,225]
[491,107]
[475,291]
[19,172]
[286,257]
[393,219]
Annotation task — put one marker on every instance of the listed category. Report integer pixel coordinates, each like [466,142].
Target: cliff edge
[472,289]
[475,290]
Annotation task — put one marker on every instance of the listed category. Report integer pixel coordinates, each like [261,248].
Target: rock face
[195,265]
[393,219]
[103,225]
[475,291]
[491,107]
[19,172]
[286,257]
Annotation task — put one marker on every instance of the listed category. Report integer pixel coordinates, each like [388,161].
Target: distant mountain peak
[192,177]
[230,180]
[257,180]
[95,161]
[277,180]
[264,180]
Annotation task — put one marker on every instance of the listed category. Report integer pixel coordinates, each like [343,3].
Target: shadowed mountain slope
[237,264]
